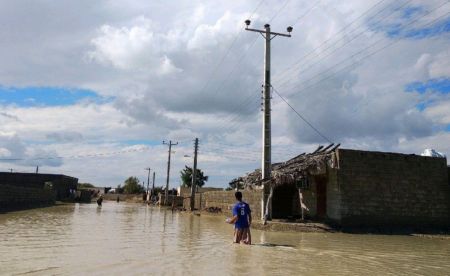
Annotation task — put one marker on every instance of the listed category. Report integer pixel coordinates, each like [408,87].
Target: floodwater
[134,239]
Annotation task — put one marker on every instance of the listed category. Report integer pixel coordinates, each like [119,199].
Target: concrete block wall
[16,197]
[199,202]
[333,195]
[179,200]
[225,200]
[186,191]
[392,189]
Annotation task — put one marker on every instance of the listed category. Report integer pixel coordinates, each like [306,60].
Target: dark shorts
[242,235]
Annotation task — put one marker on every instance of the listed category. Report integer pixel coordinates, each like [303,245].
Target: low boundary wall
[225,201]
[16,197]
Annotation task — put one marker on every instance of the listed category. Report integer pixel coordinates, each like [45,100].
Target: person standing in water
[242,219]
[99,201]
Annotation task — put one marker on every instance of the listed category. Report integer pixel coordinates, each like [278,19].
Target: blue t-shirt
[242,210]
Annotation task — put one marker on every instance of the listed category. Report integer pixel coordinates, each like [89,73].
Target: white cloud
[133,48]
[440,112]
[157,62]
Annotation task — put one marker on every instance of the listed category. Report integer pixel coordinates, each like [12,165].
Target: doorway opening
[284,200]
[321,190]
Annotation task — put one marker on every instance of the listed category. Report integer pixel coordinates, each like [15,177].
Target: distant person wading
[242,219]
[99,201]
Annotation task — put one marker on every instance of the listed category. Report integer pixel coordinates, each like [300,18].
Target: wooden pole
[268,205]
[301,203]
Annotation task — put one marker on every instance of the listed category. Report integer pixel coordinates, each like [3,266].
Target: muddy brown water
[133,239]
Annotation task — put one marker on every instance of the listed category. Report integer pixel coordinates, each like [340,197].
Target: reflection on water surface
[136,239]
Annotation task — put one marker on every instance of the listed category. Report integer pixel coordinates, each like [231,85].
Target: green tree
[186,177]
[119,189]
[158,190]
[131,186]
[237,183]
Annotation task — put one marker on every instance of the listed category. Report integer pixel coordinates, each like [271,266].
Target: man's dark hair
[238,195]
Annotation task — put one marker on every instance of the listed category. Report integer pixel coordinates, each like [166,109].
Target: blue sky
[46,96]
[410,16]
[438,86]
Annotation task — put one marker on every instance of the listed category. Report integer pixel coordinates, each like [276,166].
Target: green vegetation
[186,177]
[158,190]
[234,184]
[131,186]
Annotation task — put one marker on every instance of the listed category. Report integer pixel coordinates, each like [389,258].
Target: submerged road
[127,239]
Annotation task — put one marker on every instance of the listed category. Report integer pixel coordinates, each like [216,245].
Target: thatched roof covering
[314,163]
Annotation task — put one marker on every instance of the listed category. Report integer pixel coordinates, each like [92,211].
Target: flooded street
[128,239]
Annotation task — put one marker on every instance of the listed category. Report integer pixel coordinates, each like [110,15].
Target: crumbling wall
[393,189]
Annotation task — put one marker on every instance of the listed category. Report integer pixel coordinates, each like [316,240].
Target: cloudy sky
[102,83]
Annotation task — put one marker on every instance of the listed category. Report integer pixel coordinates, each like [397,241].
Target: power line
[303,118]
[243,56]
[279,10]
[240,60]
[339,32]
[77,156]
[238,116]
[323,136]
[316,61]
[368,55]
[306,13]
[227,52]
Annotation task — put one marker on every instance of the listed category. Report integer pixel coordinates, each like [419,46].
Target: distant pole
[37,169]
[153,185]
[194,176]
[148,177]
[11,170]
[166,194]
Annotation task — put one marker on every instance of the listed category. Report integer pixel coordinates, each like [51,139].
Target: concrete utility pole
[266,133]
[166,194]
[194,176]
[37,169]
[266,164]
[148,177]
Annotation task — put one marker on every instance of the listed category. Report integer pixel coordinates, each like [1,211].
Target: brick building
[359,188]
[61,185]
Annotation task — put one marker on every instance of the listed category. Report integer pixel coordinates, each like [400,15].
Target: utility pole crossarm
[264,32]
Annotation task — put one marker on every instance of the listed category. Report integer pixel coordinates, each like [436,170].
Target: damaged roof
[314,163]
